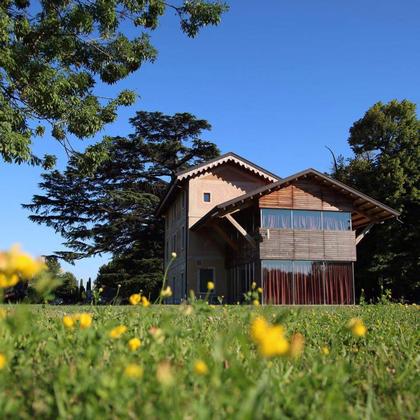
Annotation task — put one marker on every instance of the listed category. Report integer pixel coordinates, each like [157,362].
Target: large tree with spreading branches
[108,206]
[386,165]
[53,53]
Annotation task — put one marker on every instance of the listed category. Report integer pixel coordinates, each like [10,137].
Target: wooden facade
[295,237]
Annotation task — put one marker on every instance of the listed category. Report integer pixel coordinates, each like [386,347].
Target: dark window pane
[206,197]
[307,220]
[206,275]
[337,220]
[276,219]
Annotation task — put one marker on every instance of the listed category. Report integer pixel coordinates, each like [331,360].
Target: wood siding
[287,244]
[306,195]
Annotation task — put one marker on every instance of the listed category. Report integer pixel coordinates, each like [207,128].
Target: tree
[112,209]
[54,52]
[68,288]
[386,146]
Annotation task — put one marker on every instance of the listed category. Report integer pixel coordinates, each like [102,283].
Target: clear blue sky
[278,80]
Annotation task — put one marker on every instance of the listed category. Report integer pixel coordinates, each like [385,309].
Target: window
[305,219]
[276,218]
[205,275]
[206,197]
[336,220]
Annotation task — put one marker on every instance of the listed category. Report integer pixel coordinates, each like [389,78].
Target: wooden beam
[241,230]
[225,237]
[363,233]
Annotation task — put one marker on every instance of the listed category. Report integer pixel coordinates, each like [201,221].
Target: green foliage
[108,204]
[52,372]
[53,53]
[386,146]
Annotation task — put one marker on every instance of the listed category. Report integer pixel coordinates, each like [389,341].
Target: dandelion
[210,285]
[200,368]
[253,285]
[134,344]
[173,255]
[8,280]
[3,313]
[269,338]
[144,301]
[101,289]
[167,292]
[357,327]
[260,290]
[256,302]
[3,361]
[135,299]
[117,332]
[325,350]
[68,321]
[133,371]
[85,320]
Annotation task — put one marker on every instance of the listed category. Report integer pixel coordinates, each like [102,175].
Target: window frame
[206,194]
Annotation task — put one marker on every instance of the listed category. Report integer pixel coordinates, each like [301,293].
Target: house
[232,222]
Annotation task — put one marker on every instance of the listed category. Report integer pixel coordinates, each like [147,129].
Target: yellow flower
[9,280]
[117,332]
[296,345]
[135,299]
[68,321]
[166,292]
[253,285]
[325,350]
[200,368]
[85,320]
[255,302]
[134,344]
[23,263]
[3,361]
[357,327]
[133,371]
[269,338]
[210,285]
[3,313]
[144,301]
[260,290]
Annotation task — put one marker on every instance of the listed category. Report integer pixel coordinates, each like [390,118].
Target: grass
[53,372]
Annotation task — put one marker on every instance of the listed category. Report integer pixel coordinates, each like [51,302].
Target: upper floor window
[305,219]
[206,197]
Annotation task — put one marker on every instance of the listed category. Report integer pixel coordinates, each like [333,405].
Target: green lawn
[51,371]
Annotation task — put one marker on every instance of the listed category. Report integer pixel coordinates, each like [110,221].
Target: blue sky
[278,80]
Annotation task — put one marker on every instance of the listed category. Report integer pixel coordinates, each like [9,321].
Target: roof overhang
[367,210]
[198,170]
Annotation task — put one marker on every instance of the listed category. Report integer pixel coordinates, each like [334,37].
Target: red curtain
[308,283]
[278,283]
[339,284]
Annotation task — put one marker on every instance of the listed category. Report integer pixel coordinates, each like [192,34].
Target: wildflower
[200,368]
[68,321]
[260,290]
[117,332]
[325,350]
[101,289]
[164,373]
[210,285]
[3,313]
[157,334]
[85,320]
[133,371]
[357,327]
[166,292]
[296,345]
[23,264]
[134,344]
[3,361]
[269,338]
[255,302]
[134,299]
[173,255]
[144,301]
[253,285]
[8,280]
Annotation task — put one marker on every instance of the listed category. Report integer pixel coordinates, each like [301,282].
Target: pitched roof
[197,170]
[374,210]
